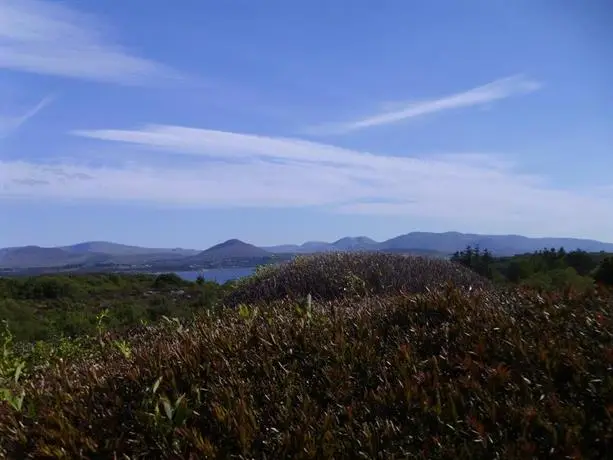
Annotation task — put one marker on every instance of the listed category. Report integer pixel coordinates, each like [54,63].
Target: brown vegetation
[442,373]
[349,275]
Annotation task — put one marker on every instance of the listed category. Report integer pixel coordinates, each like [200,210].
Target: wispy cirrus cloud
[50,38]
[10,124]
[202,168]
[493,91]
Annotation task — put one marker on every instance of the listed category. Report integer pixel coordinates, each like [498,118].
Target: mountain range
[105,255]
[448,243]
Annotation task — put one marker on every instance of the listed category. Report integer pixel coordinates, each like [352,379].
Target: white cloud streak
[10,124]
[49,38]
[496,90]
[207,168]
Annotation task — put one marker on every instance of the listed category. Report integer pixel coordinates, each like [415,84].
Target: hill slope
[448,243]
[115,249]
[417,243]
[231,249]
[36,256]
[498,244]
[356,243]
[334,276]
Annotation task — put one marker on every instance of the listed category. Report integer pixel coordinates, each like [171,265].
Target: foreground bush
[341,275]
[445,374]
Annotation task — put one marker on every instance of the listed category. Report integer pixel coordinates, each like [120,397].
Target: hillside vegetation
[406,365]
[51,306]
[349,275]
[548,269]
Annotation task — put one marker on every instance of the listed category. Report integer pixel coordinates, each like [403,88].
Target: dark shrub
[440,375]
[340,275]
[166,280]
[604,272]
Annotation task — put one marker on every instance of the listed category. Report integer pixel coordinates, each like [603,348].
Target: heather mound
[346,275]
[440,375]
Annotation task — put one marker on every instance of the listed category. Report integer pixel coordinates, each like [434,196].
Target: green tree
[518,270]
[166,280]
[604,272]
[581,261]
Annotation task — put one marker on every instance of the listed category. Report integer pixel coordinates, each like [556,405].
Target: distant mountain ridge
[231,249]
[347,243]
[449,242]
[104,247]
[36,256]
[86,254]
[100,253]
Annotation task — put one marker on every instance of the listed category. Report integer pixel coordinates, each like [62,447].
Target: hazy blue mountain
[450,242]
[447,243]
[347,243]
[115,249]
[305,248]
[356,243]
[36,256]
[284,249]
[88,253]
[316,246]
[4,252]
[231,249]
[93,253]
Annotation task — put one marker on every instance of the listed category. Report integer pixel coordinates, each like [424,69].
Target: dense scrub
[445,374]
[51,306]
[345,275]
[548,270]
[387,361]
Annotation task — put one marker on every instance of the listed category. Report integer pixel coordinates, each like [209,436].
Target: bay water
[219,275]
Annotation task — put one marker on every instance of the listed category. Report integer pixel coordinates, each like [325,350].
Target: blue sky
[275,121]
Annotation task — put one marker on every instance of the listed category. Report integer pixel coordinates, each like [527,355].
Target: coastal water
[220,275]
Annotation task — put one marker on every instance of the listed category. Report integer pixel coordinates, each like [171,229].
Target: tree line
[548,268]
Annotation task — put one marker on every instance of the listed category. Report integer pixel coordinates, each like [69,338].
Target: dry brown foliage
[441,374]
[351,275]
